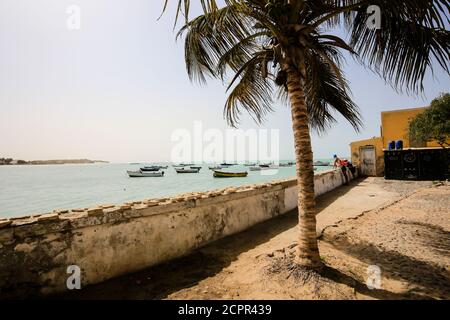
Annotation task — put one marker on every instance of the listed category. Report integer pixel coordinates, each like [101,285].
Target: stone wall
[109,241]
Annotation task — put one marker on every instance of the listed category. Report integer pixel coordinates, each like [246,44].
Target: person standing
[343,164]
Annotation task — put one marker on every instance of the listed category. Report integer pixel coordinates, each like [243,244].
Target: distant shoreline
[47,162]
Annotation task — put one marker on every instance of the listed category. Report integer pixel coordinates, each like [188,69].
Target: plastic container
[391,145]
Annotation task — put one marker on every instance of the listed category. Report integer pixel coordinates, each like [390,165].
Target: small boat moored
[264,167]
[193,167]
[321,163]
[289,164]
[221,174]
[269,166]
[226,165]
[149,169]
[142,174]
[156,167]
[183,170]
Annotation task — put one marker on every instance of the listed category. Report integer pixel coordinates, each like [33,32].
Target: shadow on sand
[160,281]
[428,281]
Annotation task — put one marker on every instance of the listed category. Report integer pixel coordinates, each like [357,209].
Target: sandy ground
[398,228]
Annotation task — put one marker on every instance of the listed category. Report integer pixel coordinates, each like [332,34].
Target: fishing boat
[289,164]
[149,169]
[226,165]
[264,167]
[321,163]
[221,174]
[268,166]
[141,174]
[183,170]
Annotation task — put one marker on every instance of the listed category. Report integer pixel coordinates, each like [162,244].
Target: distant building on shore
[368,153]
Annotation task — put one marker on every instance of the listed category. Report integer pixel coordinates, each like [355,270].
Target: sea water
[36,189]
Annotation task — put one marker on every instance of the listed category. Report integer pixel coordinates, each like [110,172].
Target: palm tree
[285,49]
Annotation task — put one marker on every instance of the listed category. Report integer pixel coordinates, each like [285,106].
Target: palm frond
[253,91]
[183,8]
[327,92]
[411,38]
[255,39]
[208,39]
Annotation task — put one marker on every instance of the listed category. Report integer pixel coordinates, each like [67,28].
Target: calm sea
[33,189]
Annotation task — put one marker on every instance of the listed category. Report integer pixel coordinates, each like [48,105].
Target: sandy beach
[399,226]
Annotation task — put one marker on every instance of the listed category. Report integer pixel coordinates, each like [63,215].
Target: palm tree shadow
[160,281]
[339,277]
[429,281]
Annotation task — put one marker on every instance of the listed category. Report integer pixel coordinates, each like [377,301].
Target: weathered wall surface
[323,182]
[109,241]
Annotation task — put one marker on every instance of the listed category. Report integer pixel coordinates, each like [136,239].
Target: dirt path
[402,228]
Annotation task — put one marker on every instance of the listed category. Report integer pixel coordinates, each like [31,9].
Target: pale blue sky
[117,88]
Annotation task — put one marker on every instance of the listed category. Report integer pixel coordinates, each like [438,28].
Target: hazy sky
[116,88]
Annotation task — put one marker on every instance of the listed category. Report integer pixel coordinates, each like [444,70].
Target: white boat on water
[289,164]
[264,167]
[215,168]
[157,167]
[321,163]
[183,170]
[142,174]
[227,165]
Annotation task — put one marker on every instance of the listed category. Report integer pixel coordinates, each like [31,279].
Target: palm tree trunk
[307,249]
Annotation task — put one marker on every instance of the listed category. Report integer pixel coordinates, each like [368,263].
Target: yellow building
[368,154]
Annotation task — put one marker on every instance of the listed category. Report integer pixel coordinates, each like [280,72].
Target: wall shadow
[160,281]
